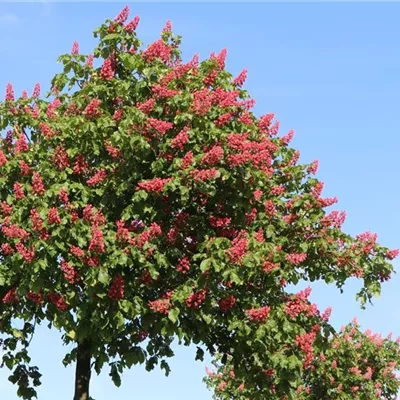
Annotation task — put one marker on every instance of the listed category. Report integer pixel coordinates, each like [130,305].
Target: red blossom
[183,265]
[3,159]
[92,109]
[122,16]
[18,191]
[75,48]
[258,314]
[196,299]
[107,71]
[37,184]
[53,216]
[157,49]
[155,185]
[10,297]
[180,139]
[21,145]
[97,178]
[241,78]
[47,131]
[70,274]
[226,303]
[147,106]
[27,254]
[60,158]
[59,301]
[117,289]
[9,93]
[96,244]
[131,26]
[161,306]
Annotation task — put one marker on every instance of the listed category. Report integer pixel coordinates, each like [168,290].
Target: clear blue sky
[330,71]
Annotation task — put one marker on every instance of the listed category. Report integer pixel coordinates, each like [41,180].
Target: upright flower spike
[36,91]
[122,16]
[75,48]
[131,26]
[9,93]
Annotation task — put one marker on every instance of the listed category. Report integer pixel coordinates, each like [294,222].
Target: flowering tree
[143,201]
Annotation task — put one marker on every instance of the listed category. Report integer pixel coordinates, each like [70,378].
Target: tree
[142,201]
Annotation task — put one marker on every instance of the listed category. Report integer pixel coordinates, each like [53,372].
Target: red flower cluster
[160,126]
[97,178]
[187,160]
[96,244]
[13,231]
[155,185]
[107,71]
[70,274]
[305,343]
[27,254]
[3,159]
[25,168]
[147,106]
[92,109]
[77,251]
[298,304]
[265,122]
[158,49]
[75,48]
[122,16]
[162,92]
[10,297]
[296,259]
[60,158]
[220,222]
[269,266]
[37,222]
[58,300]
[37,184]
[335,219]
[227,303]
[201,175]
[258,314]
[161,306]
[180,139]
[6,209]
[213,156]
[35,297]
[63,196]
[53,216]
[47,131]
[238,249]
[149,234]
[117,289]
[131,26]
[80,166]
[183,265]
[241,78]
[36,91]
[202,101]
[9,93]
[196,299]
[21,145]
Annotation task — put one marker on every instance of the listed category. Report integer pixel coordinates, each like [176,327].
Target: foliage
[142,200]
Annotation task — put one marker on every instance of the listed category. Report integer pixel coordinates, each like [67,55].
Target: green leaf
[173,314]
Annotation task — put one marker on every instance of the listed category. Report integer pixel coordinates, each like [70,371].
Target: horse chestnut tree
[141,201]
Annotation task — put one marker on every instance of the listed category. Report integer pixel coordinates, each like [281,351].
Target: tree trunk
[83,371]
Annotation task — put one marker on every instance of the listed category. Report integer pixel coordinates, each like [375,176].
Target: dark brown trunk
[83,371]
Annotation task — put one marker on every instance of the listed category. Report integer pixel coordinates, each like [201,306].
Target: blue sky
[330,71]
